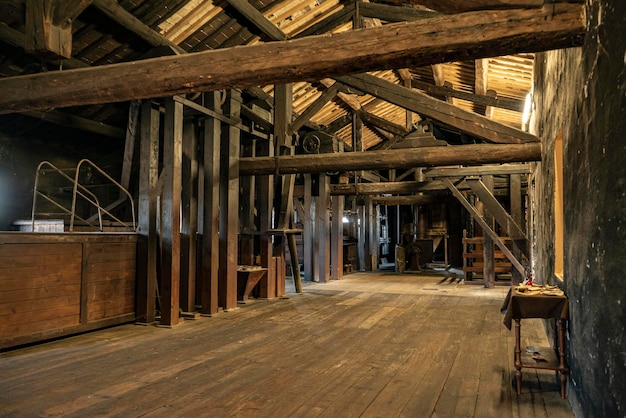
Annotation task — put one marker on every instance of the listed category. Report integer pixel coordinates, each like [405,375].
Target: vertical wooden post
[371,244]
[189,226]
[283,113]
[265,202]
[515,193]
[170,219]
[229,204]
[489,275]
[322,229]
[361,254]
[247,209]
[129,146]
[336,241]
[309,230]
[210,213]
[146,208]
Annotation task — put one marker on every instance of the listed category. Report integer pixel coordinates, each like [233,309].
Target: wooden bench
[247,278]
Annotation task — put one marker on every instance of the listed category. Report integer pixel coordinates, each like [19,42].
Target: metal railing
[81,191]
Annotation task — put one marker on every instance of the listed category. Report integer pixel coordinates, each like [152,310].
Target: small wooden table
[247,278]
[519,305]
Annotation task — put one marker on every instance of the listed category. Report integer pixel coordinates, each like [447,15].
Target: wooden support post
[210,213]
[361,237]
[267,286]
[283,112]
[189,225]
[309,229]
[371,251]
[322,230]
[489,275]
[170,219]
[295,267]
[247,209]
[229,204]
[515,193]
[146,208]
[336,240]
[129,147]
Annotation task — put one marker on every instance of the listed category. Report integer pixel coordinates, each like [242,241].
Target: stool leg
[518,357]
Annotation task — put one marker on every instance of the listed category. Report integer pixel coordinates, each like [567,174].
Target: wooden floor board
[370,345]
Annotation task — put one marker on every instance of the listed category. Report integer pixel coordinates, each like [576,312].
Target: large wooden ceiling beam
[331,22]
[315,107]
[391,46]
[77,122]
[389,159]
[491,170]
[444,112]
[456,6]
[384,124]
[503,103]
[391,13]
[118,14]
[257,18]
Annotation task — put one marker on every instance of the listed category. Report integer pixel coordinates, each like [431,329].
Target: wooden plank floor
[371,345]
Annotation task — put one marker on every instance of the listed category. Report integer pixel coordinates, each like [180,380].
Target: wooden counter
[57,284]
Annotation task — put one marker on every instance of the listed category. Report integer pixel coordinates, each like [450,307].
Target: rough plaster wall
[583,90]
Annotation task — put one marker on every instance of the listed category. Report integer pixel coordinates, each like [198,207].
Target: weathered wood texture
[447,113]
[397,45]
[229,205]
[387,159]
[171,213]
[59,284]
[369,345]
[147,246]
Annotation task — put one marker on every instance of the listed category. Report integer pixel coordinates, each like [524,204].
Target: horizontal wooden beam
[377,121]
[258,19]
[388,159]
[392,13]
[391,187]
[408,44]
[118,14]
[446,113]
[477,170]
[456,6]
[76,122]
[442,91]
[411,200]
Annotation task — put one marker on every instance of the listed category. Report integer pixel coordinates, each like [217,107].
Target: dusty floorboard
[371,345]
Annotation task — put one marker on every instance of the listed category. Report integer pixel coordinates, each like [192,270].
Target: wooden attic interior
[335,106]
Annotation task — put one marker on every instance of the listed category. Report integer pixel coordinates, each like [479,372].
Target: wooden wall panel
[58,284]
[40,286]
[110,273]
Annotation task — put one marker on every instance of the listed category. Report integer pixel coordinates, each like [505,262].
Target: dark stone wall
[583,92]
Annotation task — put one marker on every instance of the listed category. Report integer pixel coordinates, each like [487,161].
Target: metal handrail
[70,211]
[83,192]
[112,180]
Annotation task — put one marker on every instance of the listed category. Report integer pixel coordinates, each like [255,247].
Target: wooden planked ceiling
[199,25]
